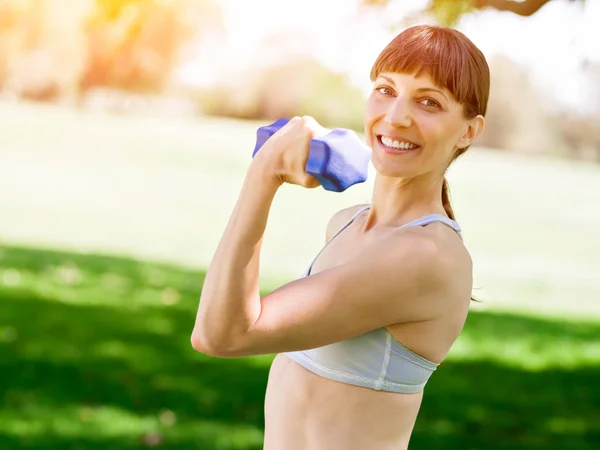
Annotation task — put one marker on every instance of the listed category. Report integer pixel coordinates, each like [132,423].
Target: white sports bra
[375,359]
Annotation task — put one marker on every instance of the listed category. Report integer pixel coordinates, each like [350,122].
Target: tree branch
[522,8]
[525,8]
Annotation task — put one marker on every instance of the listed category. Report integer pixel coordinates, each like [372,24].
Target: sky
[551,44]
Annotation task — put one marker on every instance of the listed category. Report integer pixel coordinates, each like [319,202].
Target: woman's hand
[230,298]
[285,154]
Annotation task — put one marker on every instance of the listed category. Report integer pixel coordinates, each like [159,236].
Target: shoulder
[440,263]
[340,218]
[408,275]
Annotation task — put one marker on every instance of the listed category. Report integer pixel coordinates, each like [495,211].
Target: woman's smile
[396,146]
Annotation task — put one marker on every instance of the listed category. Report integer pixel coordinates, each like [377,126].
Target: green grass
[107,224]
[95,354]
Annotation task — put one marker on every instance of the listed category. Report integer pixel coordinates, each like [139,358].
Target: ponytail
[448,208]
[446,199]
[446,188]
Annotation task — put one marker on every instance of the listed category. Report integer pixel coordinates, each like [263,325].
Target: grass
[107,224]
[95,354]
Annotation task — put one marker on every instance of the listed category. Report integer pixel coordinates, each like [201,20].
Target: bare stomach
[305,411]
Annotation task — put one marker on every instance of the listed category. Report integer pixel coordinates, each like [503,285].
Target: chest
[346,247]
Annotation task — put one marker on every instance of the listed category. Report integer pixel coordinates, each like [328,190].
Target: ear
[474,129]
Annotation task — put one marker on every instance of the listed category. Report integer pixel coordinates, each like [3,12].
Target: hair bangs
[447,56]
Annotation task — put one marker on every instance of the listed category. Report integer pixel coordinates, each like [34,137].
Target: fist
[285,154]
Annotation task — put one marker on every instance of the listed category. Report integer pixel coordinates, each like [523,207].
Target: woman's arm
[410,275]
[230,300]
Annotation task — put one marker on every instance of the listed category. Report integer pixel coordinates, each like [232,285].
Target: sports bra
[375,359]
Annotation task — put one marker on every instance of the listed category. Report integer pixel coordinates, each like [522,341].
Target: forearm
[230,298]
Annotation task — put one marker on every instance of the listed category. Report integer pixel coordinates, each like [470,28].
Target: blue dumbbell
[338,159]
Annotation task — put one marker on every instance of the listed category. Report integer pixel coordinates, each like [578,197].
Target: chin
[393,170]
[389,166]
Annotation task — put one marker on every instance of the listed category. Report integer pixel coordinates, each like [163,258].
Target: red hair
[451,60]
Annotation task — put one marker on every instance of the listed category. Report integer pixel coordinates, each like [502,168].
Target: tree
[135,44]
[49,51]
[448,12]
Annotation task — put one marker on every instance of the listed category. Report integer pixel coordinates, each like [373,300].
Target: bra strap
[426,220]
[348,222]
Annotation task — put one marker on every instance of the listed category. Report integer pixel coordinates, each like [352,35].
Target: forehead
[422,79]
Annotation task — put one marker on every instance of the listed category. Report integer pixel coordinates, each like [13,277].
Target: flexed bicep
[396,281]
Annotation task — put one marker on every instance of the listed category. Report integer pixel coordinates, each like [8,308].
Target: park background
[126,128]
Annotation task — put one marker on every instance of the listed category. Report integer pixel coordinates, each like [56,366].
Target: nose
[399,113]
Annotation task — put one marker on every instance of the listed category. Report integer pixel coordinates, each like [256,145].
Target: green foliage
[448,12]
[444,12]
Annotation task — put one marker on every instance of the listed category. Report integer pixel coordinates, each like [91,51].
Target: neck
[397,201]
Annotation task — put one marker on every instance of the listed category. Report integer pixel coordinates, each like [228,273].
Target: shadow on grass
[95,354]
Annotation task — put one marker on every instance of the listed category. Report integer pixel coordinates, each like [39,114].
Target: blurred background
[126,127]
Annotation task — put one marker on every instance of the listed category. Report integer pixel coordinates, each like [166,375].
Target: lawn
[107,224]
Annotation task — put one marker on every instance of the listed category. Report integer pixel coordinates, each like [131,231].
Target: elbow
[213,347]
[201,344]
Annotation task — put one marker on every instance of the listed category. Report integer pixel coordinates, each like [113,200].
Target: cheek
[432,127]
[440,137]
[369,113]
[370,116]
[440,134]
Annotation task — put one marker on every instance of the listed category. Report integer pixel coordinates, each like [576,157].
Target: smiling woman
[378,309]
[448,75]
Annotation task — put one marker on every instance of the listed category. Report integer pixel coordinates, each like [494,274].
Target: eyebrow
[423,89]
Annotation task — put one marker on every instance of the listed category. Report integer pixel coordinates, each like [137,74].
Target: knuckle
[311,128]
[309,122]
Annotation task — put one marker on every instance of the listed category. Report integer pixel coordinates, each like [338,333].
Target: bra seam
[385,363]
[368,381]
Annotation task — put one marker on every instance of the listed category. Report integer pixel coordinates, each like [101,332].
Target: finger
[291,124]
[315,127]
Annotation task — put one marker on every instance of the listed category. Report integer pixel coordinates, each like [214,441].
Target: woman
[360,333]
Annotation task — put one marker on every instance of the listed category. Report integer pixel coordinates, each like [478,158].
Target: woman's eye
[384,90]
[430,103]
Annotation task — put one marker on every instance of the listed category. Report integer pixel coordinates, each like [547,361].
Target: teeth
[388,142]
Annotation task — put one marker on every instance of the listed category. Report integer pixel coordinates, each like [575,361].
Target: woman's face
[415,127]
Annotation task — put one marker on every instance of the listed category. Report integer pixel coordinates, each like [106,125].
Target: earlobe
[474,130]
